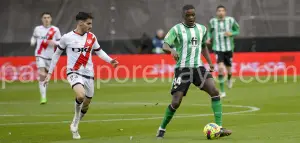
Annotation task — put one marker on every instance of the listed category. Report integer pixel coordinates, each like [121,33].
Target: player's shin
[85,107]
[217,109]
[221,81]
[78,106]
[42,90]
[170,111]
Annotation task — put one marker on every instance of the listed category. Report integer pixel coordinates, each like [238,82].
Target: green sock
[221,80]
[229,76]
[168,117]
[217,109]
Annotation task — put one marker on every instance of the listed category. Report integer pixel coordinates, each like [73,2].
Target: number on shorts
[73,77]
[177,81]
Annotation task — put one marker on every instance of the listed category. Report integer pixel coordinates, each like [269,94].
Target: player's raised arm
[205,53]
[103,55]
[168,41]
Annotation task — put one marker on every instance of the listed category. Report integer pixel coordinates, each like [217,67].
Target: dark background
[266,25]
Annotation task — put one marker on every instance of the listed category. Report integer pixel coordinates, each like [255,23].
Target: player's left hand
[211,68]
[47,79]
[228,34]
[51,43]
[114,62]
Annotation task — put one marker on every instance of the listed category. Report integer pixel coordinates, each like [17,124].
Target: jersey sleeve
[235,28]
[62,43]
[171,36]
[57,35]
[96,45]
[210,29]
[34,37]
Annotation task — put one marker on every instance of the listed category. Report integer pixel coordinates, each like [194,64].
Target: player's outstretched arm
[54,61]
[106,58]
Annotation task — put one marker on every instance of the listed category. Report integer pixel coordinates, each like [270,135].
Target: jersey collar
[78,33]
[188,26]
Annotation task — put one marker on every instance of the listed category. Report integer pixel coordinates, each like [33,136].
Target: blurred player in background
[189,39]
[222,30]
[79,44]
[46,37]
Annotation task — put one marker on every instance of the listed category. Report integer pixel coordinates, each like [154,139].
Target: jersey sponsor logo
[194,41]
[44,43]
[79,50]
[83,59]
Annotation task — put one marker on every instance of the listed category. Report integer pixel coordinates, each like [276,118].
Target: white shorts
[86,81]
[43,63]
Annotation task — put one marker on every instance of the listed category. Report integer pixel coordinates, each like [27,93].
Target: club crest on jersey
[89,41]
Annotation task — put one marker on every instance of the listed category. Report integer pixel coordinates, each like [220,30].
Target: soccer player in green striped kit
[222,30]
[189,39]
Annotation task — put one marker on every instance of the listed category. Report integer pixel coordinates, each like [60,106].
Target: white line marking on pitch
[251,109]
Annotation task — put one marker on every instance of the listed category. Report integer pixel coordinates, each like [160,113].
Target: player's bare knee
[214,92]
[177,98]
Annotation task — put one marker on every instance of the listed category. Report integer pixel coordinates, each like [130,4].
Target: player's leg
[221,71]
[228,64]
[209,87]
[170,112]
[89,90]
[77,83]
[42,75]
[179,89]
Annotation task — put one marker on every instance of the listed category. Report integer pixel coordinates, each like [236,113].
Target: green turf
[135,109]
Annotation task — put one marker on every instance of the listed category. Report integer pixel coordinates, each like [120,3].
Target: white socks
[42,89]
[76,118]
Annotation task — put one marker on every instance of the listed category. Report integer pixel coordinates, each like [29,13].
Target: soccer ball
[212,131]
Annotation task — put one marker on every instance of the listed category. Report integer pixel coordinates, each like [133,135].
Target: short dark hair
[46,13]
[84,16]
[187,7]
[220,6]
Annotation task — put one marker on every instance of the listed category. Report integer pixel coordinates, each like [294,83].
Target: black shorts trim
[43,58]
[88,97]
[76,84]
[85,76]
[98,49]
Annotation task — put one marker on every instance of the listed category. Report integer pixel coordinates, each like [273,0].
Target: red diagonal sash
[44,43]
[83,59]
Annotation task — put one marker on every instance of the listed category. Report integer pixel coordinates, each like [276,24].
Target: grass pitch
[256,112]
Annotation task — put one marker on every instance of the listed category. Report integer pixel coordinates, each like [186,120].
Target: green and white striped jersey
[188,42]
[216,30]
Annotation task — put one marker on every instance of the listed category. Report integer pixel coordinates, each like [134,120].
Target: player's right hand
[114,62]
[175,55]
[208,41]
[47,79]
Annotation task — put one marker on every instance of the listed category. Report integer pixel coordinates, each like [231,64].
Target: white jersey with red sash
[42,34]
[79,52]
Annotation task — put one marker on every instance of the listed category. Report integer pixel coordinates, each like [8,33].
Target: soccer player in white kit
[79,44]
[46,37]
